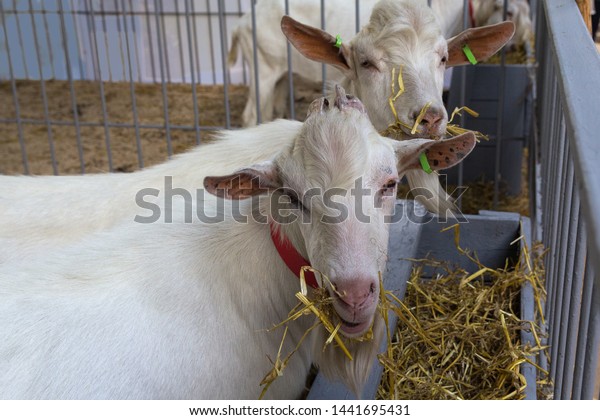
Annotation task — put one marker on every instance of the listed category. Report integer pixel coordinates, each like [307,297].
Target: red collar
[291,257]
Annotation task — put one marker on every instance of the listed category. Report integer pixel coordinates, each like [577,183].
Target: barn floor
[119,110]
[149,102]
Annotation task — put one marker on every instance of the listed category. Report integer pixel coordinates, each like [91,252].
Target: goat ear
[441,154]
[316,44]
[483,42]
[244,183]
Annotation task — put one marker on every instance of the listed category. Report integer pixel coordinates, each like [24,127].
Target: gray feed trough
[482,94]
[490,233]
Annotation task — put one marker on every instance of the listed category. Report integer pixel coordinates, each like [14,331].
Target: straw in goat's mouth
[397,126]
[321,305]
[455,129]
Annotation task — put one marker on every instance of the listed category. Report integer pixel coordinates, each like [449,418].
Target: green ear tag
[425,163]
[338,41]
[469,54]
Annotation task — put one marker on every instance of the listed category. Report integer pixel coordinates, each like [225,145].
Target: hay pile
[459,334]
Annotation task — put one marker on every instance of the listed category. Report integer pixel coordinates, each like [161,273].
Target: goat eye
[367,64]
[388,189]
[294,200]
[444,59]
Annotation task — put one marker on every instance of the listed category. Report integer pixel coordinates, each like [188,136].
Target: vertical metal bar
[13,85]
[44,12]
[584,324]
[593,341]
[106,43]
[290,71]
[163,31]
[179,39]
[549,160]
[193,76]
[44,94]
[575,271]
[82,71]
[463,98]
[244,68]
[151,46]
[500,118]
[255,58]
[135,44]
[564,265]
[323,68]
[583,299]
[547,98]
[212,49]
[555,247]
[196,44]
[162,81]
[224,52]
[20,37]
[136,124]
[223,39]
[357,13]
[552,220]
[65,44]
[543,89]
[101,84]
[121,39]
[553,122]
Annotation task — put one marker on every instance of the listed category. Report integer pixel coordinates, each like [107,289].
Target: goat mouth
[405,134]
[355,329]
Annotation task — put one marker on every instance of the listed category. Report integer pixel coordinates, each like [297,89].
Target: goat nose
[432,118]
[355,294]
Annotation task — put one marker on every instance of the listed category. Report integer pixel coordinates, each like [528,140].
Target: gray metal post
[71,87]
[13,85]
[224,63]
[134,110]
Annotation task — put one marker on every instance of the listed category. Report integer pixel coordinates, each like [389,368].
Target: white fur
[37,213]
[178,310]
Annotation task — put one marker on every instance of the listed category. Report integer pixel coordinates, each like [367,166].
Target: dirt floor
[149,102]
[150,110]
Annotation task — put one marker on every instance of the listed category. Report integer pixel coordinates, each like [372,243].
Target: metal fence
[567,196]
[122,46]
[120,41]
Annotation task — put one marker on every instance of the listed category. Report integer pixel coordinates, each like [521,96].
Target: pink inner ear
[315,44]
[247,182]
[447,153]
[483,42]
[235,187]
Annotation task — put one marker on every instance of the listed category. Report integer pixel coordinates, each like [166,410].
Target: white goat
[271,48]
[489,12]
[179,310]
